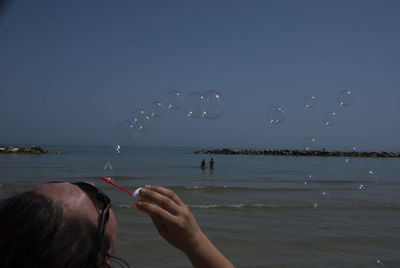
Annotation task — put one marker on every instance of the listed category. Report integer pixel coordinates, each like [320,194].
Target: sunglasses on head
[100,200]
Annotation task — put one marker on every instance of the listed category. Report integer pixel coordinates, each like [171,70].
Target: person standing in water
[203,164]
[212,163]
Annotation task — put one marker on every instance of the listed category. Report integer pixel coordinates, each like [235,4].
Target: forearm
[205,254]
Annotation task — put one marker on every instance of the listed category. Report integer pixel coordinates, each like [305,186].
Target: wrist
[205,254]
[196,245]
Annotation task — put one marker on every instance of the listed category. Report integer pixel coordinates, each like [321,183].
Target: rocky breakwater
[24,150]
[300,153]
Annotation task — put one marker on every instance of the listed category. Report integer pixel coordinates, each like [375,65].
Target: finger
[156,213]
[162,200]
[167,192]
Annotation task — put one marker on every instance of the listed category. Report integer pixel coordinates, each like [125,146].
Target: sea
[260,211]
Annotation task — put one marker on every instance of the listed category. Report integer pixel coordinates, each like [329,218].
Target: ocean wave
[223,206]
[119,178]
[224,188]
[234,206]
[290,206]
[262,206]
[322,181]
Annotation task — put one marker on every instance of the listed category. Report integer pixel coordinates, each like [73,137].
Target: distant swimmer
[203,164]
[212,163]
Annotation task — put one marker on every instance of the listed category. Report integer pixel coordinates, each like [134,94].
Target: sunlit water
[260,211]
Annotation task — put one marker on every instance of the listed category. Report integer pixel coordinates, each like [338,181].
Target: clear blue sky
[71,70]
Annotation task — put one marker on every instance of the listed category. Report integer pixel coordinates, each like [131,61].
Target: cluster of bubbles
[323,196]
[277,115]
[142,120]
[344,98]
[330,118]
[208,105]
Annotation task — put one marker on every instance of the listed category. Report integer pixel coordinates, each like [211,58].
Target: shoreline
[322,153]
[25,150]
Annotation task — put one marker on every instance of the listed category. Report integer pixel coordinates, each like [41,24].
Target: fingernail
[147,186]
[142,191]
[139,204]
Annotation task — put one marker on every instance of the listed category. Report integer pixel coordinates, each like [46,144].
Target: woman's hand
[177,225]
[172,217]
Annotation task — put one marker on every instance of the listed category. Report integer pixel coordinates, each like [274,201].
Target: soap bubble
[324,198]
[174,100]
[124,133]
[372,175]
[349,150]
[138,115]
[117,148]
[157,109]
[195,105]
[310,101]
[146,124]
[309,179]
[276,115]
[213,104]
[108,171]
[325,194]
[345,98]
[310,144]
[330,118]
[361,187]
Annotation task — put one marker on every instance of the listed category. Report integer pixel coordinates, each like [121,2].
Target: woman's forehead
[69,196]
[62,191]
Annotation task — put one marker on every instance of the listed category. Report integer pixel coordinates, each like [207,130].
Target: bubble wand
[136,195]
[113,184]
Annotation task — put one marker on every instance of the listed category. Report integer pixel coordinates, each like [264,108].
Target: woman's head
[55,225]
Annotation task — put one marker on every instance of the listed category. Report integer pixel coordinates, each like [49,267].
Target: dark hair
[35,231]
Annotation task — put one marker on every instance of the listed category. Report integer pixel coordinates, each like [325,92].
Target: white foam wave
[241,205]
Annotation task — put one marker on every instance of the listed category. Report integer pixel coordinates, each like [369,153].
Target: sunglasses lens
[100,200]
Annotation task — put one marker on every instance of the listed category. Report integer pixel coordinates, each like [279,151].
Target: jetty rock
[25,150]
[321,153]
